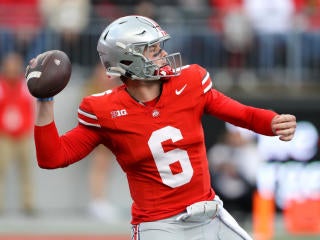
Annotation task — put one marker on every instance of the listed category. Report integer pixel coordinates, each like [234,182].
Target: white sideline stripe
[205,78]
[87,114]
[35,74]
[208,88]
[88,124]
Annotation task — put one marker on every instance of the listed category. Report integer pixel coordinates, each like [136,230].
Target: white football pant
[185,226]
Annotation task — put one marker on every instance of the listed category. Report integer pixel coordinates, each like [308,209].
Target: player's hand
[284,126]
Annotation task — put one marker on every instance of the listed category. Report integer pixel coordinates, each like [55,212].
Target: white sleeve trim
[88,124]
[205,79]
[208,88]
[87,114]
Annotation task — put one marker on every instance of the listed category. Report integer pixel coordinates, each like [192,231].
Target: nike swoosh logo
[179,91]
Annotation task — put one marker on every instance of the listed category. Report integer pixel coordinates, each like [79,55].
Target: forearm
[44,113]
[48,147]
[46,137]
[234,112]
[54,151]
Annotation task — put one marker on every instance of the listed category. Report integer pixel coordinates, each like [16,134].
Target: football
[48,74]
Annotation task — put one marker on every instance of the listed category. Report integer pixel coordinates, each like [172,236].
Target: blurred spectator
[272,21]
[129,3]
[146,8]
[234,161]
[308,14]
[203,39]
[16,125]
[68,19]
[104,11]
[194,9]
[21,28]
[230,19]
[101,157]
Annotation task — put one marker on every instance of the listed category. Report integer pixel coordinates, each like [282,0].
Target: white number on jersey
[164,159]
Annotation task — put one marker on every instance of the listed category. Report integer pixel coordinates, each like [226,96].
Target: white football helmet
[121,46]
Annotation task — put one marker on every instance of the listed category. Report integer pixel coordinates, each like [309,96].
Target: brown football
[48,74]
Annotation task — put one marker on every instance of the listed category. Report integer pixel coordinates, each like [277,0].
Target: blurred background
[262,53]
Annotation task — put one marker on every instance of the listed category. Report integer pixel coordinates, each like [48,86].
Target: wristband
[45,99]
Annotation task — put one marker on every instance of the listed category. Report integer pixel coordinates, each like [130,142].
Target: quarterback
[152,124]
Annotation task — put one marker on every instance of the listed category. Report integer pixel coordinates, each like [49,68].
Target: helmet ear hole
[126,62]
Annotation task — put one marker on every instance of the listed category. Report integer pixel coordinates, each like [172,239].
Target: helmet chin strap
[151,78]
[115,71]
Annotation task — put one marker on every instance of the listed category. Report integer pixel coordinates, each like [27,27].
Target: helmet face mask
[122,47]
[171,66]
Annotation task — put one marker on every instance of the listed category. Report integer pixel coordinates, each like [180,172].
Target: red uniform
[16,109]
[161,148]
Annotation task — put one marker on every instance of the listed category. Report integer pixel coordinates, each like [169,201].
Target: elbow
[51,163]
[46,166]
[50,166]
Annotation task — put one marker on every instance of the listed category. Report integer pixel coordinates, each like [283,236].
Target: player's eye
[152,49]
[157,53]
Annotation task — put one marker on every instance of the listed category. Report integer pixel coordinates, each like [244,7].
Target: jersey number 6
[164,159]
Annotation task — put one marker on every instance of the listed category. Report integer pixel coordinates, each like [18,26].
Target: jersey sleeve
[236,113]
[200,83]
[206,83]
[54,151]
[205,79]
[86,115]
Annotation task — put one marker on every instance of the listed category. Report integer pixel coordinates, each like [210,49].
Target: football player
[152,124]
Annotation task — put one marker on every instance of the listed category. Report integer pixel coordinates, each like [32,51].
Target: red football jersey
[16,109]
[161,148]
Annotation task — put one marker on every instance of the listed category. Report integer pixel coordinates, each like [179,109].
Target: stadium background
[290,84]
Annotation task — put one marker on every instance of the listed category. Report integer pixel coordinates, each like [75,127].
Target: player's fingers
[33,62]
[284,126]
[284,122]
[286,137]
[282,118]
[286,134]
